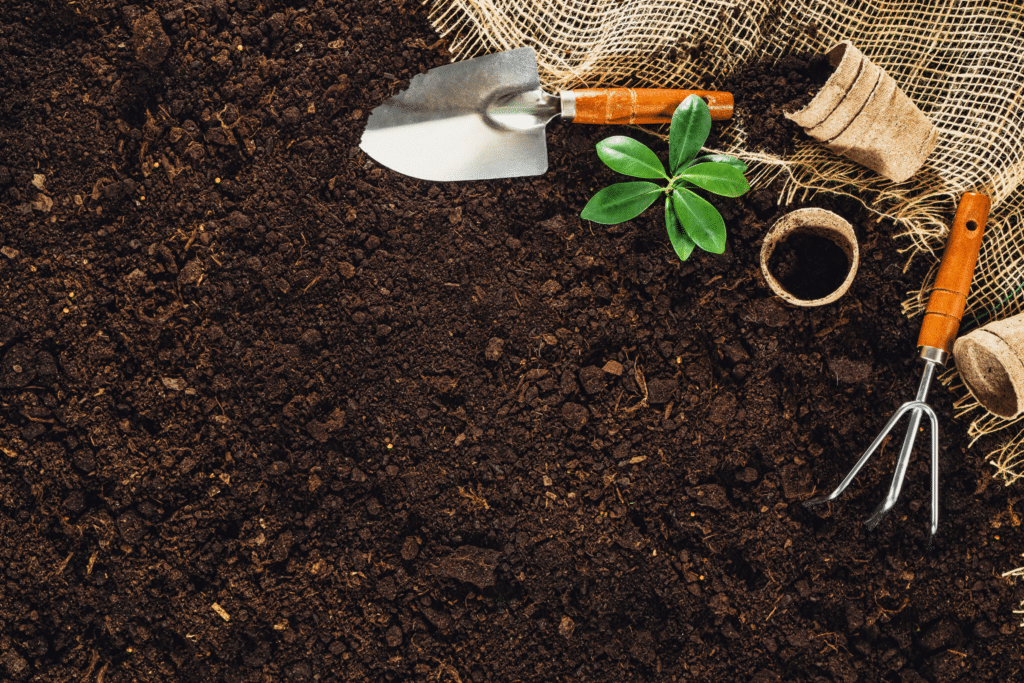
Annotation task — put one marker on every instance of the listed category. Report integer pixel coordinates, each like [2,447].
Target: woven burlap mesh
[960,61]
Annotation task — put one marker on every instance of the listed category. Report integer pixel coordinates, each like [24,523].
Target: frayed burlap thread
[959,61]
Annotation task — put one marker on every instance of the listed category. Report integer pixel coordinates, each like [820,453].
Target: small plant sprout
[690,220]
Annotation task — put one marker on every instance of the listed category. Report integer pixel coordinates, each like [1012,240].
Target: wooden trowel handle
[949,294]
[642,105]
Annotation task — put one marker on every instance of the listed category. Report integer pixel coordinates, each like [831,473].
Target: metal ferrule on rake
[938,331]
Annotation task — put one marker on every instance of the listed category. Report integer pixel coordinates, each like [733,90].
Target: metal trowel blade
[444,127]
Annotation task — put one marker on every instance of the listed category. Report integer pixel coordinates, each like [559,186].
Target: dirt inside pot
[765,90]
[809,266]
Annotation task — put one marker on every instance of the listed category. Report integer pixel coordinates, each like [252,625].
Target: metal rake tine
[934,419]
[934,344]
[902,463]
[864,458]
[920,409]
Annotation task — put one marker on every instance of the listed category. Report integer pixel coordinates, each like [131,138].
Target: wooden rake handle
[949,294]
[642,105]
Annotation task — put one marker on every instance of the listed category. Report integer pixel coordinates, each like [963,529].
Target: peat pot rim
[847,62]
[850,106]
[813,221]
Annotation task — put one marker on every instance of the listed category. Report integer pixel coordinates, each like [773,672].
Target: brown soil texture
[269,412]
[809,266]
[765,90]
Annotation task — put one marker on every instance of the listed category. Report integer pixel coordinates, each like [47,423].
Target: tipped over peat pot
[810,257]
[991,363]
[862,114]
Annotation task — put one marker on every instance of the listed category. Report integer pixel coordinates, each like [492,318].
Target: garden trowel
[485,118]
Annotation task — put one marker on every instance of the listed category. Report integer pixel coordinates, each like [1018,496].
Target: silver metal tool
[486,117]
[935,341]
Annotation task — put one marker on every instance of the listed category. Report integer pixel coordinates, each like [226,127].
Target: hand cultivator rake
[935,341]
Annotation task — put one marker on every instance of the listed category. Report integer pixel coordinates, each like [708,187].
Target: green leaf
[630,157]
[735,162]
[700,219]
[691,124]
[722,179]
[681,242]
[620,202]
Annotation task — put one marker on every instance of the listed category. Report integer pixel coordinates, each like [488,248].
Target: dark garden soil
[809,266]
[269,412]
[765,91]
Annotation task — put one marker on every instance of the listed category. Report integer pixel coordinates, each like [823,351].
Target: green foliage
[620,202]
[718,178]
[629,157]
[690,220]
[702,221]
[691,125]
[681,242]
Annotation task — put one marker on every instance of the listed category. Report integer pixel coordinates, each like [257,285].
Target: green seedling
[690,220]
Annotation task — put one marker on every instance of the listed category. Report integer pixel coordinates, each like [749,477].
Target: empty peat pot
[991,363]
[862,114]
[810,256]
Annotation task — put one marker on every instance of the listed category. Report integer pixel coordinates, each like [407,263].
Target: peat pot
[810,256]
[862,114]
[991,363]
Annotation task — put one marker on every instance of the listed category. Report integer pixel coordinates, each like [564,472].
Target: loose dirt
[766,90]
[269,412]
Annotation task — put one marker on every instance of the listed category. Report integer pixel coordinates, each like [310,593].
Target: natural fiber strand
[1016,574]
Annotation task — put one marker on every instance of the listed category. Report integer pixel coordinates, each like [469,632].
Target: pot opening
[809,265]
[836,54]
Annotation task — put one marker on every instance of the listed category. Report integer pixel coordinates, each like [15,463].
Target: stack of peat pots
[861,114]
